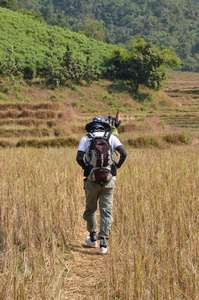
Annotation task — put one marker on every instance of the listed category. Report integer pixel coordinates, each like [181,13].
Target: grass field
[153,250]
[154,244]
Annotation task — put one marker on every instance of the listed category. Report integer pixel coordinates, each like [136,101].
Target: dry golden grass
[153,249]
[40,212]
[154,243]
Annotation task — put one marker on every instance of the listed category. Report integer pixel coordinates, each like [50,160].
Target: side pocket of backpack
[87,170]
[113,170]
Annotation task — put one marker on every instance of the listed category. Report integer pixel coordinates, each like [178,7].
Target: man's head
[97,124]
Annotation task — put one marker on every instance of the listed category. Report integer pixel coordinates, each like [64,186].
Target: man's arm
[80,159]
[123,155]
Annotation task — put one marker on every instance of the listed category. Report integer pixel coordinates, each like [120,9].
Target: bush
[149,141]
[6,144]
[29,72]
[177,138]
[59,142]
[144,142]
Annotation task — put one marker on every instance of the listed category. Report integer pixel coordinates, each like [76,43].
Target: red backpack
[100,160]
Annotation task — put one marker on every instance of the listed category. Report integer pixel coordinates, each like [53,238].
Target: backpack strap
[92,138]
[107,136]
[89,135]
[91,147]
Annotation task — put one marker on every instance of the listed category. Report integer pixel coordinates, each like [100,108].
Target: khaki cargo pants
[104,193]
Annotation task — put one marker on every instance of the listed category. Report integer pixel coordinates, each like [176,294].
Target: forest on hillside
[165,23]
[30,48]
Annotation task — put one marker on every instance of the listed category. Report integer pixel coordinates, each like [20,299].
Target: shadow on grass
[127,88]
[83,249]
[193,90]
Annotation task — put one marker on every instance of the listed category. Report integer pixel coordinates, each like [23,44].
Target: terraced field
[42,118]
[184,88]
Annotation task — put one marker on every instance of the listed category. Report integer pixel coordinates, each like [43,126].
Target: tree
[10,4]
[144,64]
[34,14]
[94,29]
[58,69]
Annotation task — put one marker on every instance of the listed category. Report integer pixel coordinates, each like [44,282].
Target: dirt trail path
[87,270]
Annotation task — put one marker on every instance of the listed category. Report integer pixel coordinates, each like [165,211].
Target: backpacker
[100,162]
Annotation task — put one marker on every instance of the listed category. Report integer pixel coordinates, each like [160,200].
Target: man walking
[97,147]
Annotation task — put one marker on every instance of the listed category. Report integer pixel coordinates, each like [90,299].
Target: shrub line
[148,141]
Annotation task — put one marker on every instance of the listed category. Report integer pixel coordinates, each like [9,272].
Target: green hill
[30,111]
[170,23]
[29,41]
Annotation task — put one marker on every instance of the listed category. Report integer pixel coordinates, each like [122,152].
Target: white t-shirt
[86,141]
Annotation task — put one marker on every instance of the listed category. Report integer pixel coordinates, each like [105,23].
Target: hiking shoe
[103,246]
[91,240]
